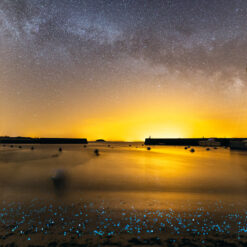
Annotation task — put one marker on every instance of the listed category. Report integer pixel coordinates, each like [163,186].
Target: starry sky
[123,69]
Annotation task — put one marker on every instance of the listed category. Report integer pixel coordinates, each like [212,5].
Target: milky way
[64,58]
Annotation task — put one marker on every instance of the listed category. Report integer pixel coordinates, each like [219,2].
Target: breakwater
[28,140]
[188,141]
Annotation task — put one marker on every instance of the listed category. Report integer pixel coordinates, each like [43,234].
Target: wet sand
[125,196]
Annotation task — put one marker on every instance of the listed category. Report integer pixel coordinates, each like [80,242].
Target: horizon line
[93,140]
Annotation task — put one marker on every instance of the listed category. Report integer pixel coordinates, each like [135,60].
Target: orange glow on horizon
[180,114]
[137,126]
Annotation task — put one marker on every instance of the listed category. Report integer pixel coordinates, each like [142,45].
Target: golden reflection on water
[123,168]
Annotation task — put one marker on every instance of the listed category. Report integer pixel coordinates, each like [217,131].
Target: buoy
[185,147]
[148,148]
[207,149]
[60,149]
[192,150]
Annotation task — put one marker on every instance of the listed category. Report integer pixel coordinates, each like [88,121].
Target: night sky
[123,70]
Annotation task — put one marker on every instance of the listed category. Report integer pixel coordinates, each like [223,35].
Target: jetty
[29,140]
[192,141]
[238,145]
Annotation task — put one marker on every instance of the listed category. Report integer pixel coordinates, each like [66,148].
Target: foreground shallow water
[126,195]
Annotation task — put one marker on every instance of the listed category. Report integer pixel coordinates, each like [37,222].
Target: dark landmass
[29,140]
[189,141]
[100,140]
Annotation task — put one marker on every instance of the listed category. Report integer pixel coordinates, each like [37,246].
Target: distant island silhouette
[100,140]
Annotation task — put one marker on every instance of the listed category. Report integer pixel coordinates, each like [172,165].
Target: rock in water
[96,151]
[59,180]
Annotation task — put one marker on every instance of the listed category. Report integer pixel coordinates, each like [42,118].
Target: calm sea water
[126,189]
[127,172]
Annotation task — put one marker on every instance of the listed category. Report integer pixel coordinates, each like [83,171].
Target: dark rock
[59,180]
[52,244]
